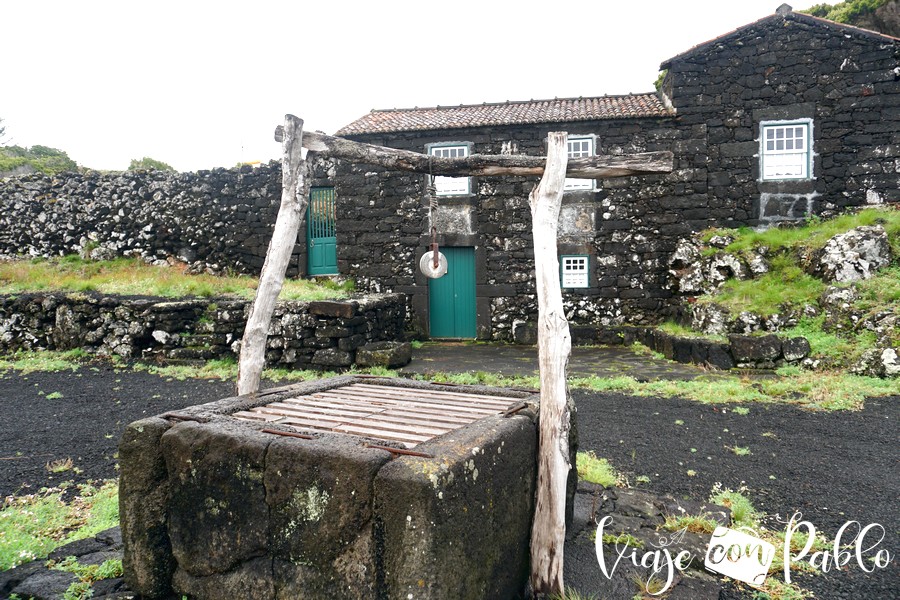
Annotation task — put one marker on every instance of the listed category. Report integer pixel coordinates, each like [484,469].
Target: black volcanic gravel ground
[831,467]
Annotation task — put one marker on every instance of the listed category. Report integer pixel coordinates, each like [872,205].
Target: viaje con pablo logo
[742,555]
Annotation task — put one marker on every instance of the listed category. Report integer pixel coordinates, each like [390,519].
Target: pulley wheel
[426,265]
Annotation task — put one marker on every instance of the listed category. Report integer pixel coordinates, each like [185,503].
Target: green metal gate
[451,298]
[320,233]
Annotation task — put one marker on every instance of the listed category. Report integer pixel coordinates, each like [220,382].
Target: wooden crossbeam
[592,167]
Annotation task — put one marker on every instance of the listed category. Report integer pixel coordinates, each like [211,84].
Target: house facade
[784,118]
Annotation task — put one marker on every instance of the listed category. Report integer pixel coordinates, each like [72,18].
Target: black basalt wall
[627,226]
[302,335]
[216,221]
[846,81]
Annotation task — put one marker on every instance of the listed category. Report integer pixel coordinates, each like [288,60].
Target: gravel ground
[831,467]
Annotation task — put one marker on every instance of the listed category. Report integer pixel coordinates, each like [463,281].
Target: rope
[432,210]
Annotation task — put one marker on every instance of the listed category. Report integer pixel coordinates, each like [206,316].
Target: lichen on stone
[310,504]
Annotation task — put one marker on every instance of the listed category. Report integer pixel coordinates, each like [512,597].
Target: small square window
[574,271]
[580,147]
[785,150]
[450,186]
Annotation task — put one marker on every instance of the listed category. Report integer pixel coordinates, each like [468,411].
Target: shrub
[147,164]
[44,159]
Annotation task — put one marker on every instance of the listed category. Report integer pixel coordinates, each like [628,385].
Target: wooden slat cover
[407,415]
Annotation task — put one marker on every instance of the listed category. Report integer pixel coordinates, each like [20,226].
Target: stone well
[217,502]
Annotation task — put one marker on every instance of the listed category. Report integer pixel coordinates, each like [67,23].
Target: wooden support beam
[294,198]
[548,531]
[593,167]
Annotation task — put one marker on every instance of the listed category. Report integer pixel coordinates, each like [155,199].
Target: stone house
[783,118]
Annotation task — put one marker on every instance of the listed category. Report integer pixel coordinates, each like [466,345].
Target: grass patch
[828,390]
[572,594]
[742,512]
[483,378]
[224,369]
[820,390]
[133,277]
[681,331]
[43,361]
[596,470]
[649,588]
[814,234]
[642,350]
[833,348]
[788,288]
[880,291]
[622,539]
[87,575]
[785,285]
[34,525]
[60,465]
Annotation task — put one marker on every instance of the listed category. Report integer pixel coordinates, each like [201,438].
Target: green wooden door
[320,232]
[451,301]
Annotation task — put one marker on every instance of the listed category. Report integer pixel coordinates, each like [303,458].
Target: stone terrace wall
[217,221]
[323,335]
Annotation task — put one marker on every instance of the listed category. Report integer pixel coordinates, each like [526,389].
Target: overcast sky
[203,84]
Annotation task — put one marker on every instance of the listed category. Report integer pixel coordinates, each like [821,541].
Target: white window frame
[451,186]
[574,271]
[780,157]
[580,146]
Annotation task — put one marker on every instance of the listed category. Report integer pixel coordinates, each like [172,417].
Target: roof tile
[558,110]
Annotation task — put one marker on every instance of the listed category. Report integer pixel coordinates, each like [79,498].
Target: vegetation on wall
[837,337]
[659,79]
[848,12]
[39,158]
[132,276]
[148,163]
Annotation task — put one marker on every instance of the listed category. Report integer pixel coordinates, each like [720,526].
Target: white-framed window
[573,271]
[785,149]
[580,147]
[450,186]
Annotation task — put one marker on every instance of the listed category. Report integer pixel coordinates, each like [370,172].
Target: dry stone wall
[317,335]
[216,221]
